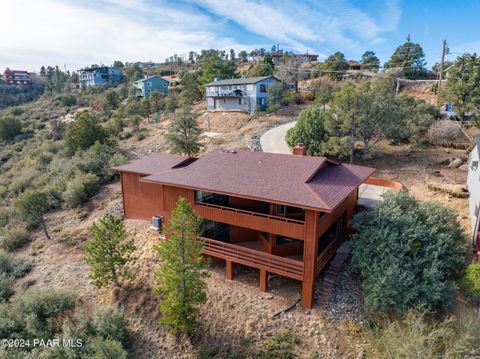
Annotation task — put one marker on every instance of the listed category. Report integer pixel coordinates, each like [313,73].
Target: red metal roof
[304,181]
[154,163]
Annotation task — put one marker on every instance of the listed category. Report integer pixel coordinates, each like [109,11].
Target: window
[148,91]
[263,101]
[239,101]
[149,84]
[165,84]
[474,165]
[263,88]
[214,198]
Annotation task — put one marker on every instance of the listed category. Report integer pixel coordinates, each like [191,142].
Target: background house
[473,182]
[299,58]
[17,77]
[146,86]
[242,95]
[102,75]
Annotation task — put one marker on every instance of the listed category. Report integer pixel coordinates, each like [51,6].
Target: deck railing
[250,213]
[327,254]
[253,258]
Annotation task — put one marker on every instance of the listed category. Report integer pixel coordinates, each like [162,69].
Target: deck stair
[329,276]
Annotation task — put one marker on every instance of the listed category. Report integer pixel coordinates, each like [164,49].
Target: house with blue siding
[102,75]
[239,95]
[144,87]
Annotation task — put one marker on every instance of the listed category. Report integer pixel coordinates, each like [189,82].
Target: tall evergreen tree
[462,88]
[410,57]
[370,61]
[184,132]
[108,252]
[181,277]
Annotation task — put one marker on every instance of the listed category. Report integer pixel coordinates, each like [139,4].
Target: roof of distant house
[239,81]
[304,181]
[149,78]
[154,163]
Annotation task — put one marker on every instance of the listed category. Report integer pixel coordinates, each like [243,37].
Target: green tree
[32,206]
[118,64]
[181,277]
[190,87]
[462,89]
[108,252]
[9,128]
[410,57]
[276,95]
[407,253]
[183,133]
[370,61]
[261,69]
[84,132]
[243,55]
[133,72]
[323,92]
[135,122]
[157,101]
[212,65]
[309,130]
[335,65]
[111,99]
[171,103]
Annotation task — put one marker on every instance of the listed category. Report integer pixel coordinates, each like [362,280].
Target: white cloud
[296,24]
[56,32]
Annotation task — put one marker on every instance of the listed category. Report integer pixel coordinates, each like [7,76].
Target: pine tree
[108,253]
[183,133]
[181,276]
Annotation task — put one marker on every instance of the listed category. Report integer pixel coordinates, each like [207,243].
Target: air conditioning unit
[157,223]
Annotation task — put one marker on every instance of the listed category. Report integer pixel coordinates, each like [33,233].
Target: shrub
[17,111]
[444,132]
[14,266]
[67,100]
[81,187]
[34,314]
[14,236]
[6,286]
[9,128]
[417,336]
[407,253]
[110,323]
[84,132]
[280,345]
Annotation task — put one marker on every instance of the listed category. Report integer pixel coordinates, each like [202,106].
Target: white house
[473,182]
[242,95]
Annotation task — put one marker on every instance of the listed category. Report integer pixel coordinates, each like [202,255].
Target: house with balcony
[145,87]
[281,214]
[18,78]
[473,183]
[102,75]
[279,57]
[238,95]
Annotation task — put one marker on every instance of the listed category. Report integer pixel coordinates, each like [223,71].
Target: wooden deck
[254,258]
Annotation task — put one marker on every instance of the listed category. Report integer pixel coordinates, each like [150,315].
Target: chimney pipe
[300,150]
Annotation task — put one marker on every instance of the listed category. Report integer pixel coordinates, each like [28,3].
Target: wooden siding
[140,200]
[252,220]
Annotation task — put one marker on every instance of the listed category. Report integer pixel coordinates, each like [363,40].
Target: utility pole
[442,64]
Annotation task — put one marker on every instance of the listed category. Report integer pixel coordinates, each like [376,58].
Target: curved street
[274,139]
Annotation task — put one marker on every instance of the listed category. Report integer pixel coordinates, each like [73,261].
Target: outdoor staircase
[329,276]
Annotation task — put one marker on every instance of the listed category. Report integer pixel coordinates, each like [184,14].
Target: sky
[75,34]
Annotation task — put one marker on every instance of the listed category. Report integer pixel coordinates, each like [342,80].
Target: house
[242,95]
[281,214]
[473,183]
[17,77]
[103,75]
[146,86]
[278,57]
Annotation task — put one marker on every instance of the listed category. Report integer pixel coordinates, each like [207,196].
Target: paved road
[274,140]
